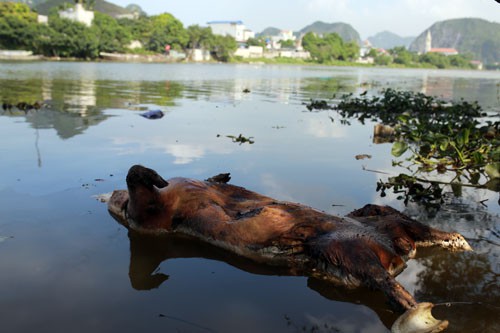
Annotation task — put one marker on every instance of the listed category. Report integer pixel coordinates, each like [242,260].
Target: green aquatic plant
[432,136]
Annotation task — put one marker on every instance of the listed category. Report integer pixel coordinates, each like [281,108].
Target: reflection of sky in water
[67,263]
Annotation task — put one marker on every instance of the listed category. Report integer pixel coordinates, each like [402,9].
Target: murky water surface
[67,266]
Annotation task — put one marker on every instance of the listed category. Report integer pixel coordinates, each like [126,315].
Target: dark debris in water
[22,106]
[153,114]
[241,139]
[362,156]
[319,105]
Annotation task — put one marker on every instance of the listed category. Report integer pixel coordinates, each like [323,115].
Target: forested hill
[43,7]
[270,31]
[474,36]
[388,40]
[344,30]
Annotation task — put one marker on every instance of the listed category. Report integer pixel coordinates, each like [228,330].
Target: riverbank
[130,57]
[19,55]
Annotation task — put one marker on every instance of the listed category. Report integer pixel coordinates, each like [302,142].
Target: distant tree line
[330,47]
[19,30]
[402,57]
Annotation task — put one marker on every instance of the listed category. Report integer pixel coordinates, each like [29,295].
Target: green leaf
[493,170]
[399,148]
[477,157]
[444,145]
[496,154]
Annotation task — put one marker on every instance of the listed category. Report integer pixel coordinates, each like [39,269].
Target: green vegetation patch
[458,144]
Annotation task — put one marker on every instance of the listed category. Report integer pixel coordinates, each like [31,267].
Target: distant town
[134,36]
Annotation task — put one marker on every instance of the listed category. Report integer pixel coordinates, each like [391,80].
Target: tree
[329,47]
[139,29]
[401,55]
[383,59]
[223,48]
[199,37]
[287,44]
[111,36]
[351,50]
[312,43]
[372,53]
[166,30]
[17,26]
[257,41]
[70,39]
[435,59]
[461,61]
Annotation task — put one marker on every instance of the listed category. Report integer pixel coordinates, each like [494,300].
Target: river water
[67,266]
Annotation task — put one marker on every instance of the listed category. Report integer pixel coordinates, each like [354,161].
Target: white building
[78,14]
[235,29]
[284,35]
[250,52]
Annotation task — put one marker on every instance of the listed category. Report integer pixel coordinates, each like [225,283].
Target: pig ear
[139,176]
[419,320]
[159,182]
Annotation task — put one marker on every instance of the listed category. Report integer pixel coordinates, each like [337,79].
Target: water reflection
[148,252]
[91,130]
[465,280]
[72,106]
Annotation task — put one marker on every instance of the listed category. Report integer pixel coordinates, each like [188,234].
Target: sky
[368,17]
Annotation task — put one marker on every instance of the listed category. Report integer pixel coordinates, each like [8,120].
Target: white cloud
[322,128]
[184,153]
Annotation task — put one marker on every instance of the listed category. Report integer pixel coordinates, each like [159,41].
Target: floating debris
[246,91]
[363,156]
[241,139]
[319,105]
[22,106]
[153,114]
[104,197]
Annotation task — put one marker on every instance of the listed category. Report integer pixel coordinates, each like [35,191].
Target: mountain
[346,31]
[474,36]
[388,40]
[100,6]
[270,31]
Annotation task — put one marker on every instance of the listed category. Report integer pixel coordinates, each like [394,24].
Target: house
[477,64]
[78,14]
[235,29]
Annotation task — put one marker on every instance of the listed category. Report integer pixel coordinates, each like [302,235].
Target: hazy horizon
[407,18]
